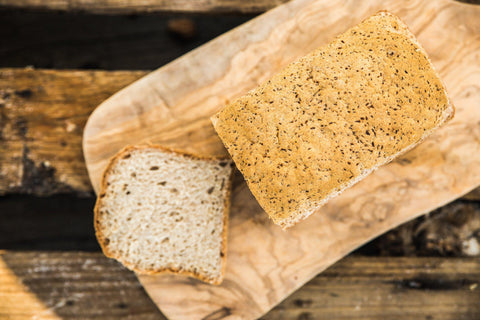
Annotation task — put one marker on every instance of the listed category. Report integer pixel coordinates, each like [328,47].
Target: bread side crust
[99,231]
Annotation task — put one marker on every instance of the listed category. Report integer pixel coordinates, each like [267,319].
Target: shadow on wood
[64,222]
[61,222]
[87,41]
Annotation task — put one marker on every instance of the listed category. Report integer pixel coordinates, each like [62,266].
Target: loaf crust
[332,117]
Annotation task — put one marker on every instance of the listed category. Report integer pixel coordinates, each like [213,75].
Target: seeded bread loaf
[332,117]
[163,211]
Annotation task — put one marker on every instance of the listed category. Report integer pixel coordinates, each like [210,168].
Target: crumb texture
[164,211]
[333,116]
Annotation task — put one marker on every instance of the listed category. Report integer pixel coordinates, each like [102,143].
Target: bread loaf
[332,117]
[163,211]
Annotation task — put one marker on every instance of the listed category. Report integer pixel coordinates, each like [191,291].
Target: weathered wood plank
[58,222]
[70,286]
[473,195]
[42,115]
[453,230]
[64,222]
[53,285]
[148,6]
[56,40]
[388,288]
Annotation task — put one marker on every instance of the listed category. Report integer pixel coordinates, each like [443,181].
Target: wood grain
[148,6]
[395,288]
[42,115]
[102,42]
[171,106]
[60,285]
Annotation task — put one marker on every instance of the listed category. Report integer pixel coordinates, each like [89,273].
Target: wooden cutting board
[172,106]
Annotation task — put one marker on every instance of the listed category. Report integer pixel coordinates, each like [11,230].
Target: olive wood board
[172,106]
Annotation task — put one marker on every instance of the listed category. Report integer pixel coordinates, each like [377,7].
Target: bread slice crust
[126,152]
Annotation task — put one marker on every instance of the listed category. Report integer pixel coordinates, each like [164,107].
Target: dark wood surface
[56,40]
[42,113]
[65,223]
[88,285]
[71,286]
[149,6]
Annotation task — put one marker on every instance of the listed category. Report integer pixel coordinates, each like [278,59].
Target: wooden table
[56,67]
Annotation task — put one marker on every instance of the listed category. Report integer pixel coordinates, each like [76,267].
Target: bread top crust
[333,116]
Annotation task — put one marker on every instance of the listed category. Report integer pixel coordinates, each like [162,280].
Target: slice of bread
[332,117]
[164,211]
